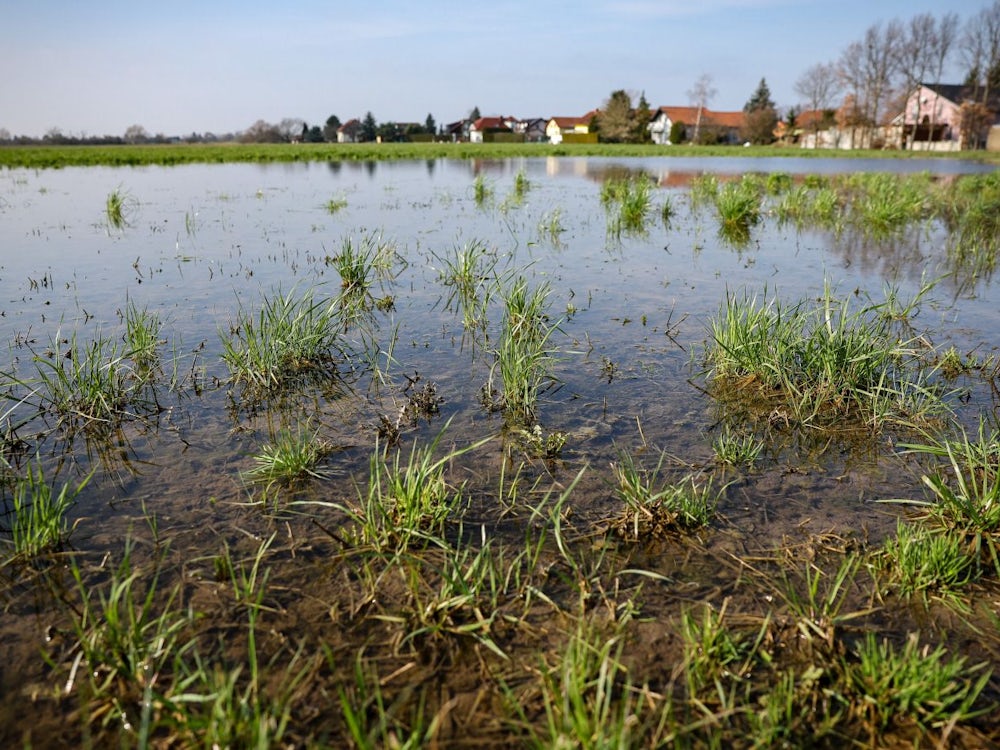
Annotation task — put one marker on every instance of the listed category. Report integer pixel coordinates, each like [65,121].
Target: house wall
[659,129]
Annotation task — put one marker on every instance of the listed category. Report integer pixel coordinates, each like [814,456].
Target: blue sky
[180,67]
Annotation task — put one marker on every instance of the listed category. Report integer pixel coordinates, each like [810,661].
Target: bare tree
[700,95]
[818,86]
[868,67]
[922,51]
[261,132]
[136,134]
[291,127]
[981,50]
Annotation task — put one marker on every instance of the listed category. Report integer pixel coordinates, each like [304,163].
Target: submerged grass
[291,458]
[293,337]
[654,507]
[627,201]
[524,356]
[38,522]
[820,365]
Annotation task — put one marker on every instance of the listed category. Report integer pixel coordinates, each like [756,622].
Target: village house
[487,129]
[698,124]
[931,119]
[571,129]
[349,132]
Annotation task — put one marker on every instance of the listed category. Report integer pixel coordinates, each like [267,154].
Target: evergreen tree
[429,125]
[761,117]
[615,119]
[761,98]
[369,130]
[643,114]
[330,129]
[474,114]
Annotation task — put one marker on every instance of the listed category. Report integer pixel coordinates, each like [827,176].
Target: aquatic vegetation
[290,458]
[737,448]
[913,683]
[882,204]
[87,386]
[38,523]
[654,507]
[467,271]
[966,488]
[118,205]
[407,503]
[627,201]
[482,191]
[524,356]
[126,637]
[589,701]
[925,561]
[819,365]
[550,227]
[292,337]
[738,205]
[142,337]
[335,205]
[360,263]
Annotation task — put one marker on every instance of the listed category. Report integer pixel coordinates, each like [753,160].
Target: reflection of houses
[571,129]
[349,132]
[695,124]
[932,118]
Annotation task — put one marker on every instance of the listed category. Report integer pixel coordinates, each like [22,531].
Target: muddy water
[203,240]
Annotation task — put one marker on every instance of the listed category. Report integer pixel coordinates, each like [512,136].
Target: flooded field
[444,453]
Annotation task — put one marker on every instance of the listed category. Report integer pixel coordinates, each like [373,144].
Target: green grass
[524,355]
[913,683]
[468,274]
[965,488]
[407,503]
[628,202]
[142,337]
[821,364]
[38,523]
[90,386]
[293,337]
[738,206]
[882,204]
[737,448]
[47,157]
[291,458]
[924,561]
[335,205]
[117,206]
[653,507]
[482,191]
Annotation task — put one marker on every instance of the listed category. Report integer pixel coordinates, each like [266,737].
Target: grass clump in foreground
[654,508]
[524,356]
[820,366]
[292,338]
[627,201]
[82,386]
[965,488]
[290,459]
[38,522]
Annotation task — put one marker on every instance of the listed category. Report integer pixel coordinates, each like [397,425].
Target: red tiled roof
[490,123]
[689,116]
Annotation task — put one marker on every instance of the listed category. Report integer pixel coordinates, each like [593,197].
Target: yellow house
[571,129]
